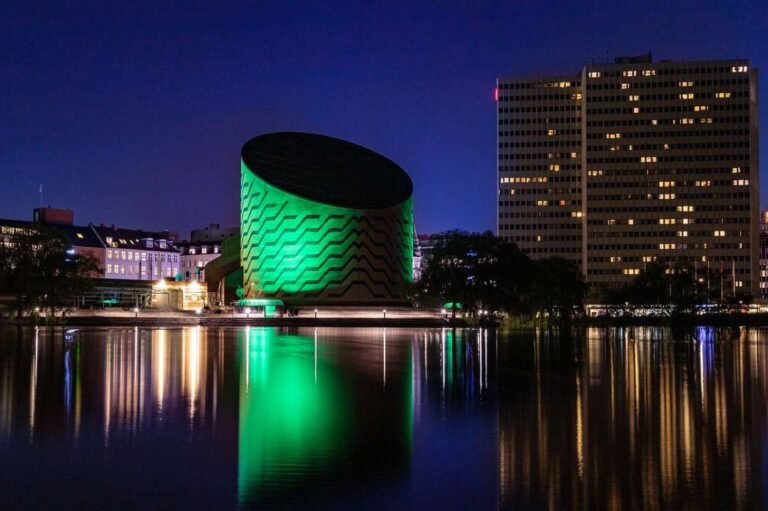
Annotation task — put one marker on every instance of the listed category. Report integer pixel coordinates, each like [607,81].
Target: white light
[247,310]
[135,309]
[199,311]
[442,311]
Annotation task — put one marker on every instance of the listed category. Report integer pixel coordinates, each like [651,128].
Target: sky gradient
[135,114]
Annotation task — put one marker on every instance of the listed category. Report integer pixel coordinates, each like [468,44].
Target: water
[268,418]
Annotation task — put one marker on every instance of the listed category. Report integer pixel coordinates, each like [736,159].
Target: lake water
[302,418]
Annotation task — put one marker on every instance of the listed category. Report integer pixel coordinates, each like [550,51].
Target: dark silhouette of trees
[38,268]
[556,286]
[484,272]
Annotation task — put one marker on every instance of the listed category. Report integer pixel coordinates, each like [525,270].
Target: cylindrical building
[323,221]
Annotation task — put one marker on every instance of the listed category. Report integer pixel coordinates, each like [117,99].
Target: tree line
[483,272]
[39,269]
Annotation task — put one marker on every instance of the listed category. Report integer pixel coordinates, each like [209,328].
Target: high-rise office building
[634,162]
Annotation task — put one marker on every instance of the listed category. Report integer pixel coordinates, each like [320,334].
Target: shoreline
[84,321]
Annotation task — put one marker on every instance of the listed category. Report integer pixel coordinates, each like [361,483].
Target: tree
[476,270]
[555,286]
[38,267]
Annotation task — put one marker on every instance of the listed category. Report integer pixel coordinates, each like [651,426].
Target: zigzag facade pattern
[303,251]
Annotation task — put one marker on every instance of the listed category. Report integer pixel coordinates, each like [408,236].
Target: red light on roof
[496,93]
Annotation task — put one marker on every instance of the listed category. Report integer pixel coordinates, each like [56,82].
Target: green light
[303,250]
[291,414]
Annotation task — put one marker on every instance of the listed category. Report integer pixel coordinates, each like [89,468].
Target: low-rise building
[194,258]
[138,255]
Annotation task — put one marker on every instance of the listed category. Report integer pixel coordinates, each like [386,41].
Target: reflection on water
[636,418]
[639,418]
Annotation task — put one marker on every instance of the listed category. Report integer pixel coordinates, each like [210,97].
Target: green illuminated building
[323,221]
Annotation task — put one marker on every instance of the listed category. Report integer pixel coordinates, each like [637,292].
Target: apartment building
[633,162]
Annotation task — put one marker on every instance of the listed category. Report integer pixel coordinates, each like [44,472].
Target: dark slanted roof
[79,236]
[132,239]
[327,170]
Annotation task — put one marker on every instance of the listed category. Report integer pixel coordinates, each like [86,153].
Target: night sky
[135,115]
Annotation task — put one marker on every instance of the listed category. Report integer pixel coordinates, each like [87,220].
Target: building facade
[634,162]
[324,221]
[138,255]
[195,256]
[213,233]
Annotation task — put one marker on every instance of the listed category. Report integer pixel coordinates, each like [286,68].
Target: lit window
[648,159]
[740,182]
[649,72]
[686,209]
[625,86]
[631,271]
[736,170]
[666,196]
[739,69]
[109,268]
[576,95]
[551,132]
[649,259]
[703,183]
[701,108]
[687,95]
[666,184]
[629,73]
[80,236]
[682,234]
[719,234]
[667,246]
[542,203]
[630,221]
[636,110]
[576,214]
[594,74]
[686,121]
[667,221]
[722,95]
[685,84]
[634,97]
[612,135]
[554,167]
[109,254]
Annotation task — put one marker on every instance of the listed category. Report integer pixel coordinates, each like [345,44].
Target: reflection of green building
[323,221]
[309,419]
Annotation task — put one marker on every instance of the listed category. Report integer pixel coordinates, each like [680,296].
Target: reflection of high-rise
[625,420]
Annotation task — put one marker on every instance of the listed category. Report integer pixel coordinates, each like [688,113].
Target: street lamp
[385,313]
[315,313]
[136,312]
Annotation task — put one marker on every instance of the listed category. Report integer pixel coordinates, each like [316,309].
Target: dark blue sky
[135,115]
